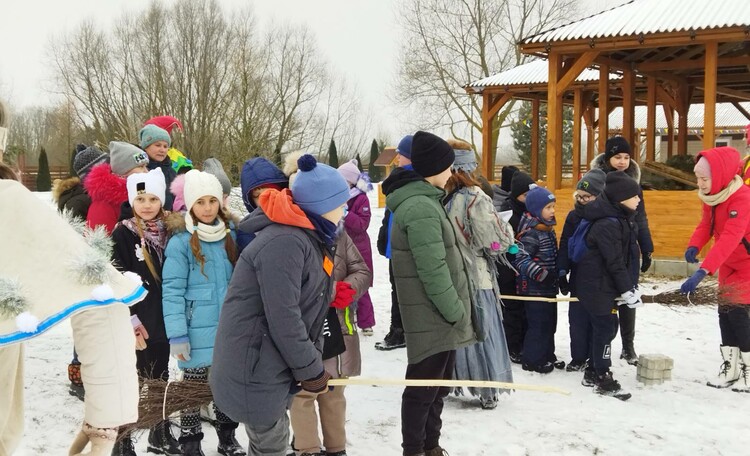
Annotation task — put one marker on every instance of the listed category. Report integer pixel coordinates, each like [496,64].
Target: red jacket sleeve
[737,214]
[702,233]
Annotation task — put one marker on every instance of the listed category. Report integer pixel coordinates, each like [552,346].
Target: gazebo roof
[645,17]
[531,73]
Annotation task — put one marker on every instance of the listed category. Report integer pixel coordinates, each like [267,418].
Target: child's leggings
[190,420]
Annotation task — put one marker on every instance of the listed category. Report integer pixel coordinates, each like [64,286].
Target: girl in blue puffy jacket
[200,258]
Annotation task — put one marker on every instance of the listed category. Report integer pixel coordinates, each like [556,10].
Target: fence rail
[29,173]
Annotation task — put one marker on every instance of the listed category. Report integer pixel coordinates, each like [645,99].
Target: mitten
[691,254]
[102,441]
[692,283]
[344,295]
[318,384]
[631,298]
[179,348]
[646,261]
[140,332]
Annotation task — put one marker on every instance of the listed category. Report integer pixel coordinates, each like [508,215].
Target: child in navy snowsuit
[588,189]
[537,266]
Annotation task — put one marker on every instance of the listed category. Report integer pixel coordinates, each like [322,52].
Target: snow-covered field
[681,417]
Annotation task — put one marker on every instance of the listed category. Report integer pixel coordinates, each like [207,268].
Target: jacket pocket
[196,296]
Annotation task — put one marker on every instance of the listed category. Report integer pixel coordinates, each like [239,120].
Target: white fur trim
[103,293]
[135,278]
[26,322]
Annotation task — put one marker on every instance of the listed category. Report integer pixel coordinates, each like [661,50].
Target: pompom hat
[87,159]
[152,183]
[318,188]
[199,184]
[350,171]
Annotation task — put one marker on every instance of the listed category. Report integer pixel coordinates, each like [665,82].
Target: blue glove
[691,254]
[692,283]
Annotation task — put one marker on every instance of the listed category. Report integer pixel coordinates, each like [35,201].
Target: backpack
[577,246]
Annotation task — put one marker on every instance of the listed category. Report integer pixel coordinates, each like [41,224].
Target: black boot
[161,440]
[124,447]
[605,385]
[192,448]
[394,339]
[228,445]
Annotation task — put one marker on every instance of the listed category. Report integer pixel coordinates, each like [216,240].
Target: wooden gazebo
[668,52]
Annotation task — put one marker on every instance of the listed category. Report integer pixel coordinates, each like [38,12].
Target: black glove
[646,261]
[564,285]
[550,280]
[317,384]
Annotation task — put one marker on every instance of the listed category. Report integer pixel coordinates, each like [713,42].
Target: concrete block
[651,374]
[655,361]
[667,374]
[648,381]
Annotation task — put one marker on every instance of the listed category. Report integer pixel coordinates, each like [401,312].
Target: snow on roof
[651,16]
[535,72]
[727,117]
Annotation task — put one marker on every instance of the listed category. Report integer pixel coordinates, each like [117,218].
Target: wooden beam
[650,121]
[535,123]
[628,105]
[577,118]
[554,124]
[603,126]
[669,115]
[498,104]
[691,64]
[622,66]
[709,94]
[664,97]
[487,165]
[588,118]
[738,94]
[741,110]
[575,69]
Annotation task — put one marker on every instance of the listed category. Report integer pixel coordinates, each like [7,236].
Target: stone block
[649,381]
[651,374]
[655,361]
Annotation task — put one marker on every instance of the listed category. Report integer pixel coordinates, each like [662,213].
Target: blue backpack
[577,246]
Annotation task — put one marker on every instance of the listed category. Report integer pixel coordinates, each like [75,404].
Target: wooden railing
[28,175]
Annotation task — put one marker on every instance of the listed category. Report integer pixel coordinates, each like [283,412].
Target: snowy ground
[681,417]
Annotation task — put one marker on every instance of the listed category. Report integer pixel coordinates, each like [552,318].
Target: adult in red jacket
[726,218]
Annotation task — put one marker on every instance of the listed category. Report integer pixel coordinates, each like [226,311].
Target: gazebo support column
[650,121]
[628,106]
[588,118]
[669,114]
[535,121]
[577,113]
[491,105]
[709,95]
[684,95]
[554,123]
[603,106]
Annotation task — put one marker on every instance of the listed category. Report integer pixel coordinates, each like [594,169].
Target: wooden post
[588,118]
[709,94]
[487,165]
[684,94]
[650,121]
[628,105]
[554,124]
[535,122]
[669,114]
[577,113]
[603,106]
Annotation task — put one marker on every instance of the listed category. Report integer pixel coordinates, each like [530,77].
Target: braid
[229,245]
[144,250]
[195,246]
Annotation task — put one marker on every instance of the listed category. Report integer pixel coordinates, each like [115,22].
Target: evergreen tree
[359,162]
[521,132]
[333,156]
[376,172]
[43,177]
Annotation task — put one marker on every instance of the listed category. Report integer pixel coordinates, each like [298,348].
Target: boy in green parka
[432,287]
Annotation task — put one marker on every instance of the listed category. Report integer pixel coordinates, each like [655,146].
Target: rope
[164,403]
[442,382]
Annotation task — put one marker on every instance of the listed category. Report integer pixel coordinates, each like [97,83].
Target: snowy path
[681,417]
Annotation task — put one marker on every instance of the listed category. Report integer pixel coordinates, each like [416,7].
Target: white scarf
[208,233]
[718,198]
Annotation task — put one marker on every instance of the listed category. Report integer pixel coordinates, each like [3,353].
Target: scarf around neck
[154,233]
[718,198]
[207,233]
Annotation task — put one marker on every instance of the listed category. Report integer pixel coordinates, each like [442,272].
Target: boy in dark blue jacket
[537,267]
[607,274]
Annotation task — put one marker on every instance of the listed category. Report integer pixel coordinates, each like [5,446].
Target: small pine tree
[333,155]
[359,162]
[376,172]
[43,177]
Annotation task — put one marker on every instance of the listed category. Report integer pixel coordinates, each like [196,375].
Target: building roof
[728,118]
[534,72]
[386,157]
[643,17]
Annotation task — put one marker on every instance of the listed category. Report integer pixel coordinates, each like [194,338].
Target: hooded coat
[430,277]
[70,195]
[108,191]
[255,173]
[270,330]
[729,224]
[536,260]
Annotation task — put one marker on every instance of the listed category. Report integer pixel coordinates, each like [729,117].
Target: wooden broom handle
[442,382]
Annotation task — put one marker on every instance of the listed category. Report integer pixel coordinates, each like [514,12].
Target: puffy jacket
[356,223]
[431,281]
[610,266]
[564,263]
[270,330]
[70,195]
[536,260]
[108,191]
[191,300]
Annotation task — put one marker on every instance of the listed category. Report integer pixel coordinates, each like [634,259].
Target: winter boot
[394,339]
[192,448]
[629,355]
[437,451]
[488,403]
[545,368]
[76,384]
[515,357]
[228,445]
[730,368]
[338,453]
[576,365]
[605,385]
[161,440]
[124,447]
[319,453]
[743,384]
[589,377]
[558,364]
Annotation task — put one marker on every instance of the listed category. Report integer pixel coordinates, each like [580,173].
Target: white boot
[730,368]
[743,384]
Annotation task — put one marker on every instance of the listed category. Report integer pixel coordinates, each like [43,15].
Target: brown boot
[437,451]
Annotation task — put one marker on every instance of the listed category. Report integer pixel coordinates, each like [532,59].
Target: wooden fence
[29,173]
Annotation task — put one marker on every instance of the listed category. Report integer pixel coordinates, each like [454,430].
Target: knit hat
[151,133]
[616,145]
[214,166]
[152,182]
[199,184]
[466,161]
[506,176]
[537,198]
[165,123]
[620,187]
[318,188]
[519,184]
[592,182]
[350,171]
[430,154]
[404,146]
[702,167]
[87,159]
[124,157]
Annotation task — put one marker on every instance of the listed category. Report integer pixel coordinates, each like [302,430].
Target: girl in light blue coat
[200,258]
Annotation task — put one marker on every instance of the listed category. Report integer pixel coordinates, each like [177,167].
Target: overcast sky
[358,37]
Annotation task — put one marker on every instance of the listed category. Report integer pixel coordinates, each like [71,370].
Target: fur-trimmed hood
[103,185]
[175,221]
[633,170]
[62,186]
